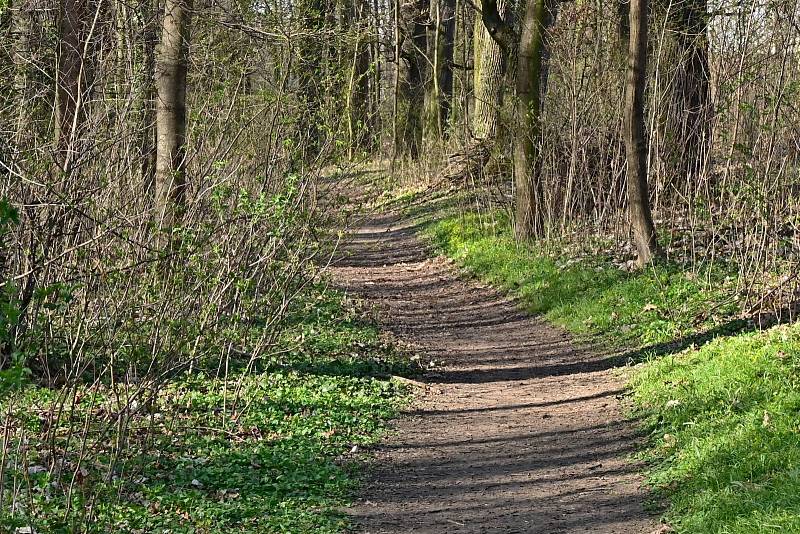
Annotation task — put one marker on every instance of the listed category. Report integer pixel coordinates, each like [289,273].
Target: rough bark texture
[644,232]
[410,71]
[490,66]
[447,30]
[528,216]
[690,117]
[171,70]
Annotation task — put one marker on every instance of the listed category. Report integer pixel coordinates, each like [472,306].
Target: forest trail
[519,429]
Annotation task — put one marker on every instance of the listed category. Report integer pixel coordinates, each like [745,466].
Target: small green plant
[271,450]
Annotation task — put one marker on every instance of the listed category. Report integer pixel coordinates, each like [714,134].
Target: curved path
[518,430]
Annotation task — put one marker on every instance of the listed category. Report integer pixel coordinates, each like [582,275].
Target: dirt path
[518,431]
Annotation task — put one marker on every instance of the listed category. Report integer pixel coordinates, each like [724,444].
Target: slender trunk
[69,86]
[644,232]
[432,101]
[21,26]
[147,141]
[171,71]
[447,24]
[396,93]
[528,214]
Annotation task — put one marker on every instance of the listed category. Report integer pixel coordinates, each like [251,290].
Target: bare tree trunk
[358,88]
[644,232]
[490,66]
[410,69]
[147,143]
[396,93]
[70,79]
[493,41]
[433,122]
[309,68]
[171,71]
[690,117]
[528,213]
[447,30]
[21,27]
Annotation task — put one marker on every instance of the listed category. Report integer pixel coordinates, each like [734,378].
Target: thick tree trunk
[492,43]
[690,114]
[644,232]
[171,71]
[528,193]
[490,67]
[410,71]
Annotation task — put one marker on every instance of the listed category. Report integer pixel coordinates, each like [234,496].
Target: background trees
[113,129]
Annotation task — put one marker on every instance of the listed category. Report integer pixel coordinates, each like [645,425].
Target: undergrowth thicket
[269,449]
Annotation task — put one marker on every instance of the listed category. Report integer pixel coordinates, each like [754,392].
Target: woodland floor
[519,428]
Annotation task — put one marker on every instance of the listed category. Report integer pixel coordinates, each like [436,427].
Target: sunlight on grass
[724,434]
[587,297]
[266,451]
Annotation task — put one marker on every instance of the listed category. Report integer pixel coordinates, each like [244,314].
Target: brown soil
[518,430]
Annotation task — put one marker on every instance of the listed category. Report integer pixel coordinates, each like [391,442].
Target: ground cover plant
[718,401]
[271,449]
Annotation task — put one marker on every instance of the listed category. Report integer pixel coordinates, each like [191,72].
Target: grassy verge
[723,419]
[270,450]
[589,297]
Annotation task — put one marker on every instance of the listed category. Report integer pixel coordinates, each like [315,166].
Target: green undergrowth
[275,449]
[589,297]
[724,432]
[719,402]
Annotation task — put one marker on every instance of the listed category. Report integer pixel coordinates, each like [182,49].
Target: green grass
[268,451]
[724,430]
[588,297]
[723,420]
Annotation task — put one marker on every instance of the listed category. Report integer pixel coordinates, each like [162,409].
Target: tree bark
[490,60]
[644,233]
[528,213]
[21,27]
[148,10]
[358,89]
[691,109]
[410,72]
[447,31]
[309,69]
[171,71]
[70,79]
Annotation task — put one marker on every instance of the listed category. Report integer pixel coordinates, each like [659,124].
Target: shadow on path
[518,430]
